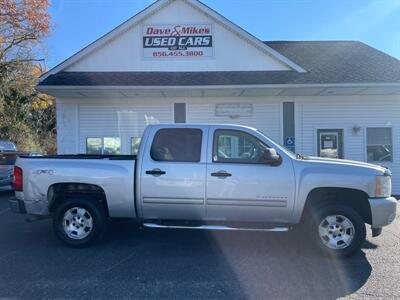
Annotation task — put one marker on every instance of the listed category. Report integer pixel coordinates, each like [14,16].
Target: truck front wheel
[338,230]
[79,222]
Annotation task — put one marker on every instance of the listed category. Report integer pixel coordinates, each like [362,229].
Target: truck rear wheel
[338,230]
[79,222]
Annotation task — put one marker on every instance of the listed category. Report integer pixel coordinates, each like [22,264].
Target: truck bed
[113,174]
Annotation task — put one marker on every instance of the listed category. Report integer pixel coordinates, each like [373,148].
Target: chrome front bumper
[383,211]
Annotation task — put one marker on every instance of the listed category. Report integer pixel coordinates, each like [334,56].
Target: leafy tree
[23,24]
[27,117]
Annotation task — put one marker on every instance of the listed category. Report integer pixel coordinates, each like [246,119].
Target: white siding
[78,119]
[343,112]
[266,113]
[120,119]
[126,118]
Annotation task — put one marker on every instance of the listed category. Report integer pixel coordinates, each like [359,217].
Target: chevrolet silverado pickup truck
[217,177]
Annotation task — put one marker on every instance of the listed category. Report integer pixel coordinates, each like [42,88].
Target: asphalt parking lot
[170,264]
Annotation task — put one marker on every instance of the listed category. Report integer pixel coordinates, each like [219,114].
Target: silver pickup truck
[219,177]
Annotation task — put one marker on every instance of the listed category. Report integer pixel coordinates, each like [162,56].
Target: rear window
[7,159]
[7,146]
[177,144]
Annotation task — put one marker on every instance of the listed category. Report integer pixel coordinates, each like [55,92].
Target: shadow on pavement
[130,262]
[253,265]
[369,245]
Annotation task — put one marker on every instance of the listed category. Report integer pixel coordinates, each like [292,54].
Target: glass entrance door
[330,143]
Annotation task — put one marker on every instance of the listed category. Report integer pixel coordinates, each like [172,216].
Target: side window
[233,146]
[177,144]
[379,144]
[106,145]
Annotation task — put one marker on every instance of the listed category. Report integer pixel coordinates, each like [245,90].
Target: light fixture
[356,129]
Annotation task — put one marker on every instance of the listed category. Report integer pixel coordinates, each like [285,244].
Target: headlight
[383,186]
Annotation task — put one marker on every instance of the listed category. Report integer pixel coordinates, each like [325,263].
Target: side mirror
[270,156]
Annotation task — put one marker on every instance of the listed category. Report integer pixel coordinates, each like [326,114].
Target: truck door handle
[222,174]
[156,172]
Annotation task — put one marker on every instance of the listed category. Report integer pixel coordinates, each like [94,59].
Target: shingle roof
[340,61]
[326,62]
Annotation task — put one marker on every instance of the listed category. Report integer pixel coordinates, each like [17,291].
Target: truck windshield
[7,146]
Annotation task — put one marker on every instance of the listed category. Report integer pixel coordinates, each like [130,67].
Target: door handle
[222,174]
[156,172]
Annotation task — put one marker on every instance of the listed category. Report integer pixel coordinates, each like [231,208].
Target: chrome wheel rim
[336,232]
[77,223]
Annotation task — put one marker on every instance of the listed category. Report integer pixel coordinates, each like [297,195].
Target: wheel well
[60,191]
[356,199]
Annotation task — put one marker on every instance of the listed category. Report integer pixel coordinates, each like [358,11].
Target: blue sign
[290,141]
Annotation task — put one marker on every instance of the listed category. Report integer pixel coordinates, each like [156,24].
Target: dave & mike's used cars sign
[172,41]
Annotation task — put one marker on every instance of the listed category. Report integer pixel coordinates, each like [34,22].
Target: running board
[214,227]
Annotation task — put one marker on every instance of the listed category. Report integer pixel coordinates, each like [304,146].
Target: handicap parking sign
[289,141]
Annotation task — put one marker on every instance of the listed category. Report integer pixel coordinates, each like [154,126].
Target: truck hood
[344,162]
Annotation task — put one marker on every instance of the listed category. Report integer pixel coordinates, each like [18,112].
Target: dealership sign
[177,40]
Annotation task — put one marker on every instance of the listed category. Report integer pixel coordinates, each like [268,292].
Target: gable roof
[326,62]
[151,10]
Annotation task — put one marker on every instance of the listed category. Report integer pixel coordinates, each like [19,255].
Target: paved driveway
[143,263]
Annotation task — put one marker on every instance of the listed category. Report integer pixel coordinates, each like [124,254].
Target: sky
[77,23]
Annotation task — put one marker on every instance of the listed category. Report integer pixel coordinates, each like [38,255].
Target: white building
[180,61]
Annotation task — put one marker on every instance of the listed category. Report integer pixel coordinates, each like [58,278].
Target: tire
[337,230]
[79,222]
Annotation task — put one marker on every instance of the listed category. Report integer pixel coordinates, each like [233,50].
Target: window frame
[235,161]
[178,161]
[102,144]
[367,145]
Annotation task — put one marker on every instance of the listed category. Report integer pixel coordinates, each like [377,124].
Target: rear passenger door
[173,173]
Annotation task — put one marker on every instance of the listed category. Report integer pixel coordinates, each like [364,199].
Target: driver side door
[242,188]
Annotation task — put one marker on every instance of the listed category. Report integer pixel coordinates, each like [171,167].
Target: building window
[180,112]
[379,144]
[177,144]
[94,146]
[135,143]
[233,146]
[103,145]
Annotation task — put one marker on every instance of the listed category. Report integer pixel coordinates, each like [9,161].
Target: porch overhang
[221,91]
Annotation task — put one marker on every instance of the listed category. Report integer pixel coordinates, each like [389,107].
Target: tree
[27,117]
[23,24]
